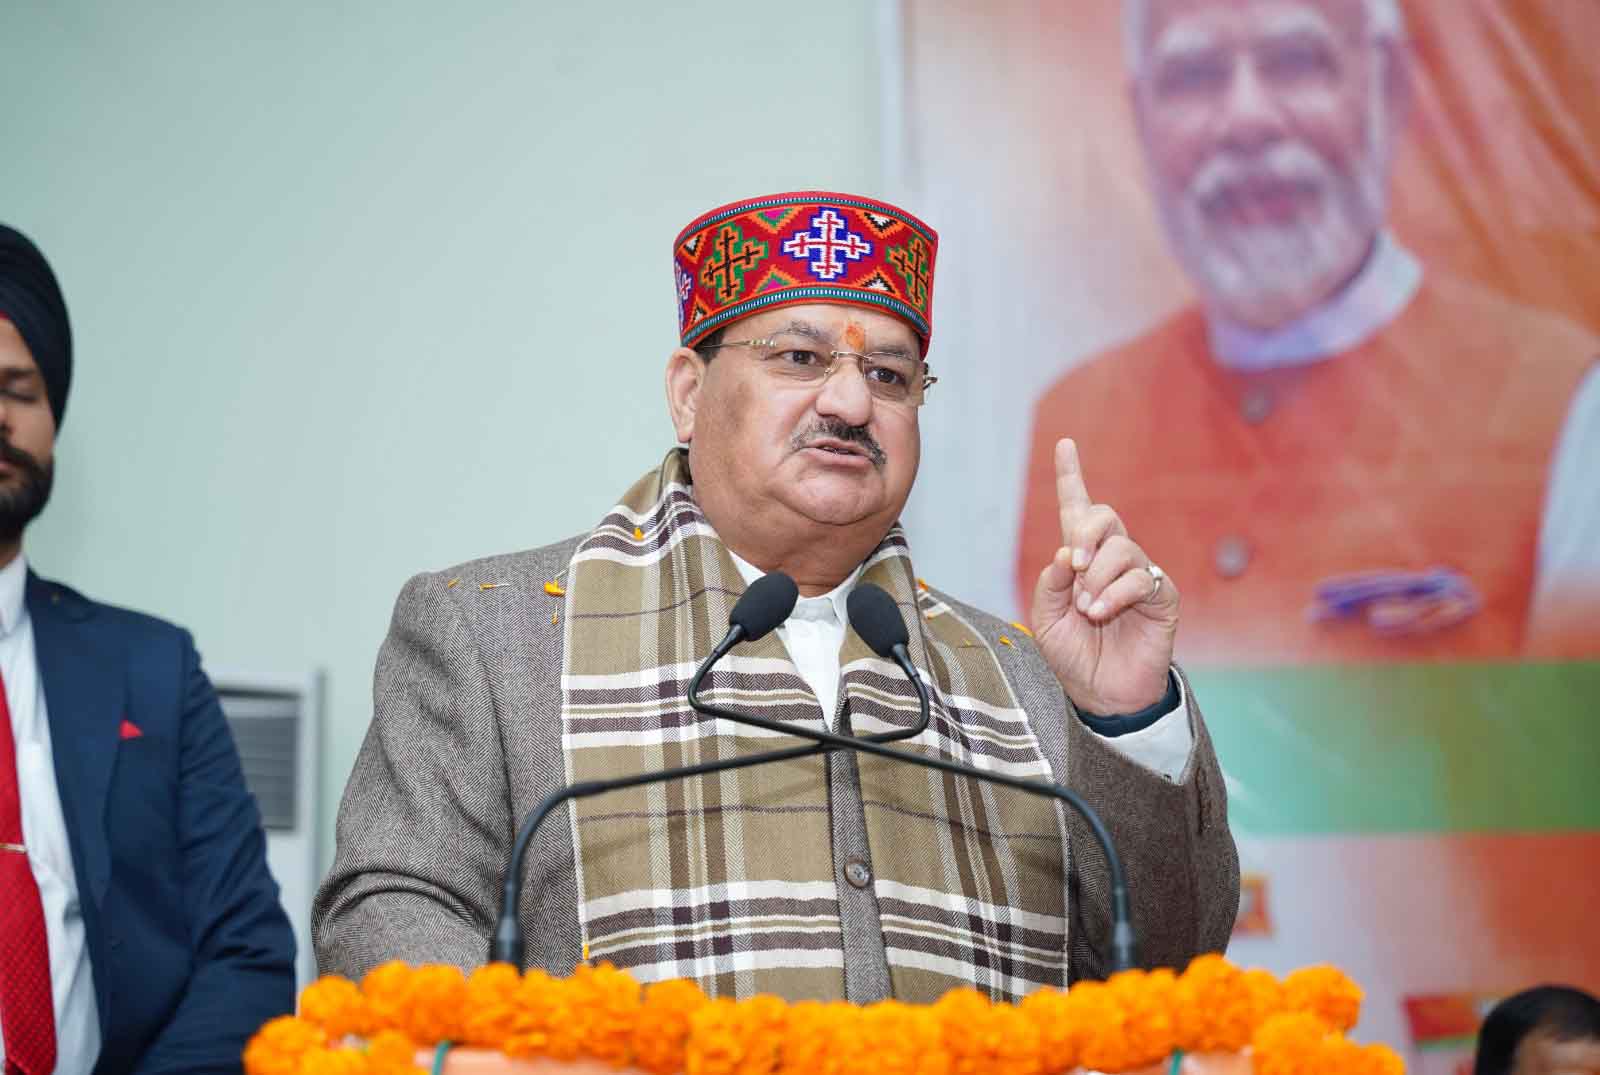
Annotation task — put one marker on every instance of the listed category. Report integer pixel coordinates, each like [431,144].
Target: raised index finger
[1071,494]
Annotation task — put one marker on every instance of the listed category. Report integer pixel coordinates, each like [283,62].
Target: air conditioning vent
[266,729]
[277,727]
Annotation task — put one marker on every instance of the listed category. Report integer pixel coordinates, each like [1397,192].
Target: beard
[19,506]
[1255,267]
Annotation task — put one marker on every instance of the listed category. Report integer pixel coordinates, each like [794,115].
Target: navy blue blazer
[190,948]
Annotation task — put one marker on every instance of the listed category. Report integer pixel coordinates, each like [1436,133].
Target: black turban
[31,300]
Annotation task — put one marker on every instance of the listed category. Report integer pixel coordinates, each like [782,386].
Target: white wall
[367,288]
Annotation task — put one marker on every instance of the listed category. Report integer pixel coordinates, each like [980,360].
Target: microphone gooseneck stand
[872,613]
[1123,948]
[765,605]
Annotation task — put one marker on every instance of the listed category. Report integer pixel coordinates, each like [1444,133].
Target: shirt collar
[1384,287]
[822,607]
[13,593]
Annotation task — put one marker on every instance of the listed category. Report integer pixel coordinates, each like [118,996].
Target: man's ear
[686,374]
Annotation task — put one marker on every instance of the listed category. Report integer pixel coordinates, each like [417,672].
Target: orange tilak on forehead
[855,337]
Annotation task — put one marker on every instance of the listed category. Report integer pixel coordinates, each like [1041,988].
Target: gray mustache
[839,431]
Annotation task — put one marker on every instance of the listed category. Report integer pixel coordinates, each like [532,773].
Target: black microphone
[764,605]
[876,618]
[878,627]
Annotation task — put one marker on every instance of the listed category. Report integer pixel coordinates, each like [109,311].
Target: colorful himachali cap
[807,246]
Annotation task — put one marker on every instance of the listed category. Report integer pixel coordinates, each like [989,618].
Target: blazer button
[1256,406]
[1231,557]
[857,873]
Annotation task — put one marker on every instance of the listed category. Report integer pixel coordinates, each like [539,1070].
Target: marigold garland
[1134,1020]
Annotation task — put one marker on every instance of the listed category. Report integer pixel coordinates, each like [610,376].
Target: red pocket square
[130,730]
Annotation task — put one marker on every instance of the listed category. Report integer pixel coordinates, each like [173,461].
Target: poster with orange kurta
[1315,287]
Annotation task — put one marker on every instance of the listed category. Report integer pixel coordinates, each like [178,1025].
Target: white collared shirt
[1568,556]
[1364,307]
[814,633]
[44,831]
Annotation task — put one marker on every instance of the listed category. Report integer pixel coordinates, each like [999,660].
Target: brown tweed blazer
[466,738]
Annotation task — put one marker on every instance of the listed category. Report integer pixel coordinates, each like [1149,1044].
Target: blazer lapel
[85,696]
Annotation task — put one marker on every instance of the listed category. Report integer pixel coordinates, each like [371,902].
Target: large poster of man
[1315,287]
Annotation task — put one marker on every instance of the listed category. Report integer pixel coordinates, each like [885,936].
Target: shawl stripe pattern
[729,879]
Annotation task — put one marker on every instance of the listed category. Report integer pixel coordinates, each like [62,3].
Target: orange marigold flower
[387,990]
[903,1039]
[1097,1025]
[1060,1041]
[607,1003]
[1265,994]
[1326,992]
[336,1004]
[982,1037]
[1125,1023]
[1149,1003]
[545,1023]
[1376,1060]
[491,1007]
[1294,1043]
[821,1039]
[435,1005]
[277,1047]
[334,1062]
[1214,1014]
[390,1052]
[661,1031]
[728,1038]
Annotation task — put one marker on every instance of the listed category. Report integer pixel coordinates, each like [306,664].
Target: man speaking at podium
[805,324]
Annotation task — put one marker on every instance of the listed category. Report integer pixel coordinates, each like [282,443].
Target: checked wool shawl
[728,879]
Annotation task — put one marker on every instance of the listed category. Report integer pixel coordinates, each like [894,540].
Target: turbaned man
[805,323]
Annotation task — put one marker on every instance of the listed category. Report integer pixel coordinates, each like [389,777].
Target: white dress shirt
[1569,534]
[814,633]
[44,831]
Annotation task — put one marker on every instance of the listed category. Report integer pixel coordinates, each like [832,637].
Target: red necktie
[27,1013]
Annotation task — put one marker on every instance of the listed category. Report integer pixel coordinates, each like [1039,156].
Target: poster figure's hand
[1104,616]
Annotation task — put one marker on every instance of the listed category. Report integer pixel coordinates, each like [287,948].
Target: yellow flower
[1326,992]
[278,1046]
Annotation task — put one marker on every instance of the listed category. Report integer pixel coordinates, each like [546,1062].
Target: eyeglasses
[891,376]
